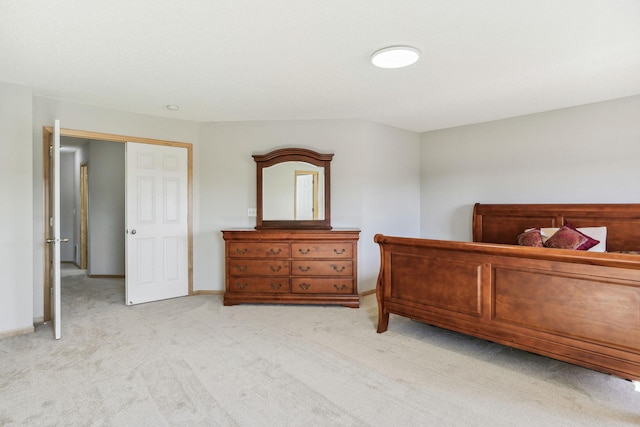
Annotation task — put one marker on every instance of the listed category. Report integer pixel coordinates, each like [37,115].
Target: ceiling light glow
[395,56]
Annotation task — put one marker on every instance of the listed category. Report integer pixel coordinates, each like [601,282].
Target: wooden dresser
[291,266]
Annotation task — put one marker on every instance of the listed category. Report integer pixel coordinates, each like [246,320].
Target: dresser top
[290,234]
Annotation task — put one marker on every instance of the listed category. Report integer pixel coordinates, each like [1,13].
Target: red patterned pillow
[568,237]
[531,237]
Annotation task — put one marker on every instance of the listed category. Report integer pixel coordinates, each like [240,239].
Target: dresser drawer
[240,284]
[322,285]
[258,267]
[322,250]
[258,250]
[321,268]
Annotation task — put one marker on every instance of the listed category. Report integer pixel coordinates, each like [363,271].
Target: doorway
[96,136]
[95,246]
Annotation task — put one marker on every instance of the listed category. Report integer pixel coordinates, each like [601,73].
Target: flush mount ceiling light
[395,56]
[173,107]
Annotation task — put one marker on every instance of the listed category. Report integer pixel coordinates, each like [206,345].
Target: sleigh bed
[579,306]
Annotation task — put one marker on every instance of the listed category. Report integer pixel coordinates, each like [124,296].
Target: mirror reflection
[293,191]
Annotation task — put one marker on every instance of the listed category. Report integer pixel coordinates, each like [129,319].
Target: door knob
[133,231]
[58,240]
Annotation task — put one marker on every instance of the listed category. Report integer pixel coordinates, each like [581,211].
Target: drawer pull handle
[276,286]
[304,251]
[241,268]
[275,252]
[304,286]
[340,288]
[307,268]
[241,285]
[241,251]
[340,252]
[337,269]
[275,269]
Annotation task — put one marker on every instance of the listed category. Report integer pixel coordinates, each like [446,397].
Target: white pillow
[598,233]
[548,232]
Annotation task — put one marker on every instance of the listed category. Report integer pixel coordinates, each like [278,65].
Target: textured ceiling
[309,59]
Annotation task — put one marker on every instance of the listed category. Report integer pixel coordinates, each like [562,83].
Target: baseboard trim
[16,332]
[211,292]
[208,292]
[70,262]
[106,276]
[369,292]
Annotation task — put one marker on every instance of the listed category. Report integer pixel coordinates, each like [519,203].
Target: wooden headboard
[501,223]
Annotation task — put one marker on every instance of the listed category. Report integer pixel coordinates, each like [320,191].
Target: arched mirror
[293,189]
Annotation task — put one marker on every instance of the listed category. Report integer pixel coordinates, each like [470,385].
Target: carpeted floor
[191,361]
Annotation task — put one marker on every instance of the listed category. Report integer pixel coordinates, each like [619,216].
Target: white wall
[588,154]
[365,155]
[390,174]
[16,227]
[106,208]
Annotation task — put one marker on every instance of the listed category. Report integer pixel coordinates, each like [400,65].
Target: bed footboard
[582,308]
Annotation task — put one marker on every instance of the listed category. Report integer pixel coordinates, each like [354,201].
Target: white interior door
[305,195]
[54,239]
[156,248]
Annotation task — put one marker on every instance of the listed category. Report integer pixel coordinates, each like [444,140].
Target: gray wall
[67,206]
[588,154]
[106,208]
[16,215]
[390,175]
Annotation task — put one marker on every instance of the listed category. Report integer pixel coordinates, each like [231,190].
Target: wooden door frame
[47,132]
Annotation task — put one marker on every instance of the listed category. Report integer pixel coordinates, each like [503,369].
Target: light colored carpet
[191,361]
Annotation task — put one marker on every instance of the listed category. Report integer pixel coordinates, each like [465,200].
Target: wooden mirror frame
[294,155]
